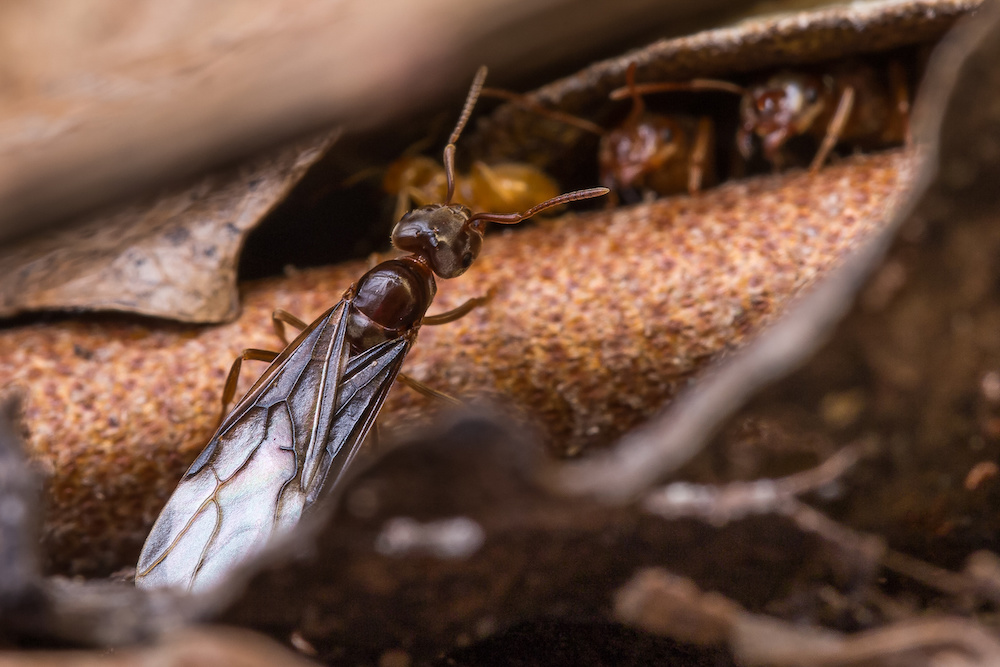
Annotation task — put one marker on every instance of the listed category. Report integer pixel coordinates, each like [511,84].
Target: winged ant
[287,443]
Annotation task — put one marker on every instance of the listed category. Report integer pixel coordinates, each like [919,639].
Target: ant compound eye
[467,259]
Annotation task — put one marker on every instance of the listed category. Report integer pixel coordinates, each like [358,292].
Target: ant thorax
[390,300]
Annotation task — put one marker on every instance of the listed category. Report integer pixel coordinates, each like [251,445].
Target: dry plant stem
[673,606]
[983,567]
[735,501]
[972,584]
[932,642]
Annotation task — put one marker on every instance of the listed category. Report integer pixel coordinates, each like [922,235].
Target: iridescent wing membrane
[283,445]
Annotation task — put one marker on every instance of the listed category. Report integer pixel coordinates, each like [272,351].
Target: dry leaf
[172,256]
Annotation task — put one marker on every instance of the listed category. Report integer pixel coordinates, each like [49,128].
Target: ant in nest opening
[846,102]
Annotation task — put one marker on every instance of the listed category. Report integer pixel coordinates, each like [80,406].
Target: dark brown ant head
[448,237]
[628,153]
[784,106]
[442,236]
[642,144]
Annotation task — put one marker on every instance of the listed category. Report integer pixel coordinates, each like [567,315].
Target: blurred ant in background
[650,153]
[847,102]
[647,152]
[507,187]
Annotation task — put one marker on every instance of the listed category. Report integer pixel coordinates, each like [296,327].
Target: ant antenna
[449,150]
[631,90]
[638,106]
[525,102]
[514,218]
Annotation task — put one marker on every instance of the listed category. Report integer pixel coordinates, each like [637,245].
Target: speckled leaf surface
[580,344]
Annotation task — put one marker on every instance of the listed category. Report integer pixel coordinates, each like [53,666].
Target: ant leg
[667,86]
[403,200]
[699,155]
[421,388]
[444,318]
[408,198]
[484,175]
[360,176]
[280,317]
[461,311]
[899,126]
[229,390]
[834,129]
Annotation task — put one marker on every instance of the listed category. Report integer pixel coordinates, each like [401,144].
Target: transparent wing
[364,386]
[245,486]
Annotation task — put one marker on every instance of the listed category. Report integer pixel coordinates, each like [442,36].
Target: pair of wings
[284,445]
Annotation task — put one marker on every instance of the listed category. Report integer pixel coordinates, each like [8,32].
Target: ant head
[441,235]
[788,101]
[448,237]
[639,148]
[784,106]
